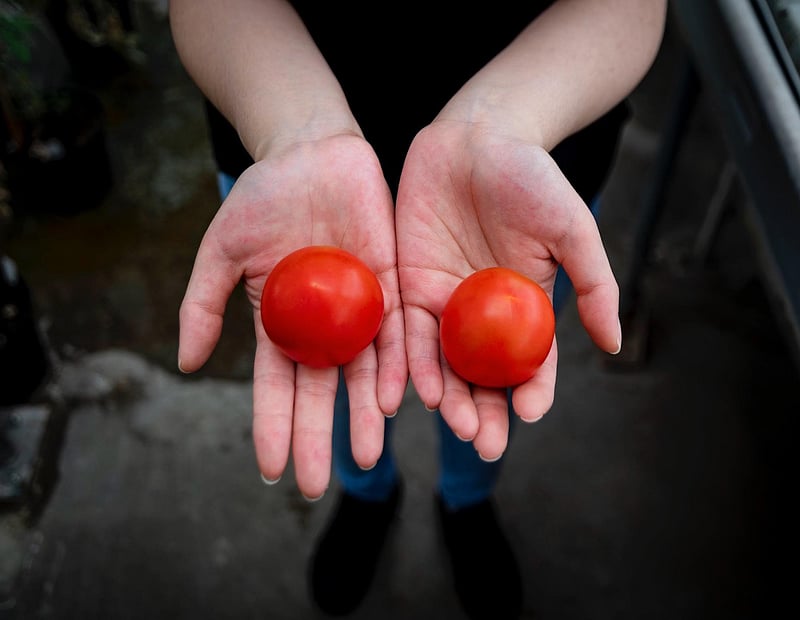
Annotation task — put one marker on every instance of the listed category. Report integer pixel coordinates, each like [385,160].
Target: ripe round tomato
[497,328]
[321,306]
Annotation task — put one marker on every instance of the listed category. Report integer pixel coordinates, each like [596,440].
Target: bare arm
[255,60]
[479,189]
[567,68]
[315,181]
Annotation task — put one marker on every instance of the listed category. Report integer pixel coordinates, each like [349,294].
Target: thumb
[585,261]
[201,313]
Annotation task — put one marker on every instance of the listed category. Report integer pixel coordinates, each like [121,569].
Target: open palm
[328,192]
[470,199]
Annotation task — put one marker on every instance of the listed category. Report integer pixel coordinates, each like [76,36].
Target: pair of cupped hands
[468,199]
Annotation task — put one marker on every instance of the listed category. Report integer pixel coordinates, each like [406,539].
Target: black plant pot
[24,363]
[64,166]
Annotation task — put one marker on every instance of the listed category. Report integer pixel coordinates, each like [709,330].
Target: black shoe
[347,553]
[485,570]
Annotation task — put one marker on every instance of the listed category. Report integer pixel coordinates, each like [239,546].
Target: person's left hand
[470,199]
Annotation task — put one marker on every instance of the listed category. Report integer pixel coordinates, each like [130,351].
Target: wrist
[312,127]
[492,110]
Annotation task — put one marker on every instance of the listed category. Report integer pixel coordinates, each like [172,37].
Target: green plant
[34,64]
[19,98]
[51,124]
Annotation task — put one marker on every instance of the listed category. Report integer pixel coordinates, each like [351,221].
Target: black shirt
[399,64]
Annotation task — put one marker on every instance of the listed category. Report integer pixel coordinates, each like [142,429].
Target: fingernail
[428,409]
[390,415]
[531,420]
[269,482]
[368,468]
[485,460]
[311,500]
[180,365]
[619,338]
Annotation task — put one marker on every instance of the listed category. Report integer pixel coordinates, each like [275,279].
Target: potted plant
[52,130]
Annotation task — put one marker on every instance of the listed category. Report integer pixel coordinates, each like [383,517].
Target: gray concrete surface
[659,490]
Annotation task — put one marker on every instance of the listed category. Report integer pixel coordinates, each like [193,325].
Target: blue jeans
[464,478]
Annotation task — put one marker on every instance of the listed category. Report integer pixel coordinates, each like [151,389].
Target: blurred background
[657,487]
[107,242]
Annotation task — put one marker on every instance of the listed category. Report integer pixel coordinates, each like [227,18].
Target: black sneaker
[347,553]
[485,570]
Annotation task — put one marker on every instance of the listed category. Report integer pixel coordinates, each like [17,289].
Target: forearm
[257,63]
[567,68]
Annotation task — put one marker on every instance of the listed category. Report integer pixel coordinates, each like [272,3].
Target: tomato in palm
[497,328]
[321,306]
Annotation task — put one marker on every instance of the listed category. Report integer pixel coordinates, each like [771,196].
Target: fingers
[201,313]
[492,407]
[481,414]
[392,362]
[476,414]
[533,399]
[457,407]
[273,406]
[312,432]
[422,346]
[293,411]
[367,420]
[584,258]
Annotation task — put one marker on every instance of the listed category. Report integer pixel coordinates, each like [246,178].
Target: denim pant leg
[375,484]
[224,184]
[465,479]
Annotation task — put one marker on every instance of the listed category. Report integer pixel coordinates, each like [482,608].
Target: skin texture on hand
[328,192]
[478,190]
[469,199]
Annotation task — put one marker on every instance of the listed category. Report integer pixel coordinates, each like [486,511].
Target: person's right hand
[332,192]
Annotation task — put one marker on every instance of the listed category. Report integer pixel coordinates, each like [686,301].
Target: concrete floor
[652,490]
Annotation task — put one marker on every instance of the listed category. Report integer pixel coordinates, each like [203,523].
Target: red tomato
[497,328]
[321,306]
